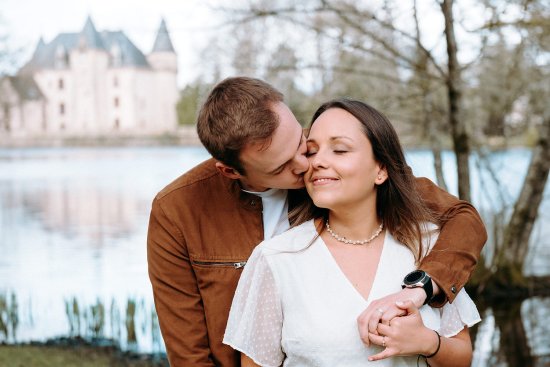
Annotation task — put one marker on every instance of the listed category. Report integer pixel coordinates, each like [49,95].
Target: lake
[73,225]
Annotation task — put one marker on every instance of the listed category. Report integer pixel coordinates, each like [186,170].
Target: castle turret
[163,56]
[164,62]
[163,43]
[41,45]
[89,36]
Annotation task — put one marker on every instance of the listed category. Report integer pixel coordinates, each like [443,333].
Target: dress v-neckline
[345,279]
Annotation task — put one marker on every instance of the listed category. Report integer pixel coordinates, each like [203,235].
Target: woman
[300,294]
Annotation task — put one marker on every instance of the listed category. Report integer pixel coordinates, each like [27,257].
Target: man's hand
[384,310]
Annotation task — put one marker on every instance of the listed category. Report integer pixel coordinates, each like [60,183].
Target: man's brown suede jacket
[202,230]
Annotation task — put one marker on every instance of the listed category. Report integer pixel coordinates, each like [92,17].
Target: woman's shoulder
[295,239]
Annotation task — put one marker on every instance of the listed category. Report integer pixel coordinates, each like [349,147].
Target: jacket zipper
[236,265]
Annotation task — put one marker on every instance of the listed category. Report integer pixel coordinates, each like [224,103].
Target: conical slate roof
[40,46]
[91,37]
[163,42]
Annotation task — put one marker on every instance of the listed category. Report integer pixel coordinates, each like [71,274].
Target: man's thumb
[407,305]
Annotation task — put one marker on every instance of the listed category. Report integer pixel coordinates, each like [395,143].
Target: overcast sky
[190,23]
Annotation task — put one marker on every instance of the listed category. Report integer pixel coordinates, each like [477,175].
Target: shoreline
[185,135]
[101,351]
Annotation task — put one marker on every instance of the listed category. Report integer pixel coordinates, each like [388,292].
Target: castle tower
[163,57]
[163,60]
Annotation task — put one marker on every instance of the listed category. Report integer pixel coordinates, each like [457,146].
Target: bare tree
[386,52]
[366,38]
[453,80]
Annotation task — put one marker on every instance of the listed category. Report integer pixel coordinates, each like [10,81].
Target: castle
[92,84]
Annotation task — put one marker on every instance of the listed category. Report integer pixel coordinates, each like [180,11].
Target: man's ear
[227,171]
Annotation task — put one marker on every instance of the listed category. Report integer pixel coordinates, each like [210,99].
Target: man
[204,225]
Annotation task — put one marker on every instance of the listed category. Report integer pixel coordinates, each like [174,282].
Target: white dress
[295,307]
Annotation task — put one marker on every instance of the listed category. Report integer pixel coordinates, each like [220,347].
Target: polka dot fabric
[256,319]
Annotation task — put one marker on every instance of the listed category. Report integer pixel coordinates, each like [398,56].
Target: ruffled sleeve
[255,319]
[455,316]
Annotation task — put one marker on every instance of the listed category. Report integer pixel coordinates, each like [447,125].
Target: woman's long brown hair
[398,204]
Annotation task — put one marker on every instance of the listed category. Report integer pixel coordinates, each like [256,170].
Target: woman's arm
[455,351]
[407,335]
[247,362]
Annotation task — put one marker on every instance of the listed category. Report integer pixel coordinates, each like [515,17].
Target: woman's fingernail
[399,303]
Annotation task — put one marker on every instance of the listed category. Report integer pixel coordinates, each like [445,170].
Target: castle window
[115,81]
[61,108]
[116,102]
[61,57]
[60,84]
[117,124]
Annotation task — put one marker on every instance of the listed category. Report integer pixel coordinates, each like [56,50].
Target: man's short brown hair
[237,112]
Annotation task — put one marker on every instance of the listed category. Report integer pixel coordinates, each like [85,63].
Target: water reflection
[96,322]
[514,333]
[9,317]
[72,237]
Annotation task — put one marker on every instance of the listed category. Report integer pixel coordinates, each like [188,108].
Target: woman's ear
[228,171]
[382,176]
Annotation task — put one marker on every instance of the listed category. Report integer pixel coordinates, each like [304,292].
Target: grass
[71,356]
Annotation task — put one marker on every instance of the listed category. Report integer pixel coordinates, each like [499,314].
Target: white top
[297,308]
[275,211]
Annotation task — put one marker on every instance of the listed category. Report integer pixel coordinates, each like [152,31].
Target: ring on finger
[384,341]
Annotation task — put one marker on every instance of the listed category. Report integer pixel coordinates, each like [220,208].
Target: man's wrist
[435,288]
[416,295]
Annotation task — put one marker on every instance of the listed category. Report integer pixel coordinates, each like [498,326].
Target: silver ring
[380,310]
[384,341]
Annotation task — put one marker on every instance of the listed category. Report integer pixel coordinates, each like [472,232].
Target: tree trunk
[517,234]
[495,125]
[513,339]
[458,127]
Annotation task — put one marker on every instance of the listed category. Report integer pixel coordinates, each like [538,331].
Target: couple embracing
[317,250]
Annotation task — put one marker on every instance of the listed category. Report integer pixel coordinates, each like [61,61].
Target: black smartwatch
[419,279]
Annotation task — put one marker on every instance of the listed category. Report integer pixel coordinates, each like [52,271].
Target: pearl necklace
[351,242]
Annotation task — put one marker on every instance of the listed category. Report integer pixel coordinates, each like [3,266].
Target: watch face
[414,277]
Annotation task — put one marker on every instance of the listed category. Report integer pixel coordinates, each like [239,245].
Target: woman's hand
[405,335]
[384,310]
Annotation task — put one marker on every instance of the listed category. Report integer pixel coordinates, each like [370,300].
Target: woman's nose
[317,160]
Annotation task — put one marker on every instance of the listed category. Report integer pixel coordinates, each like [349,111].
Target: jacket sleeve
[462,235]
[177,298]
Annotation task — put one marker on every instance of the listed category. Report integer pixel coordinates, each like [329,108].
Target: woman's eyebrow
[333,138]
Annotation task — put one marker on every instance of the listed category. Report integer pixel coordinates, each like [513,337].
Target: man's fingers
[374,320]
[363,326]
[384,330]
[390,314]
[408,306]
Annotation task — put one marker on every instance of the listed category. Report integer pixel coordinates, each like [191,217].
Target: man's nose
[301,164]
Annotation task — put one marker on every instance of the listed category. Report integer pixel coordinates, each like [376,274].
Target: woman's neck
[354,224]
